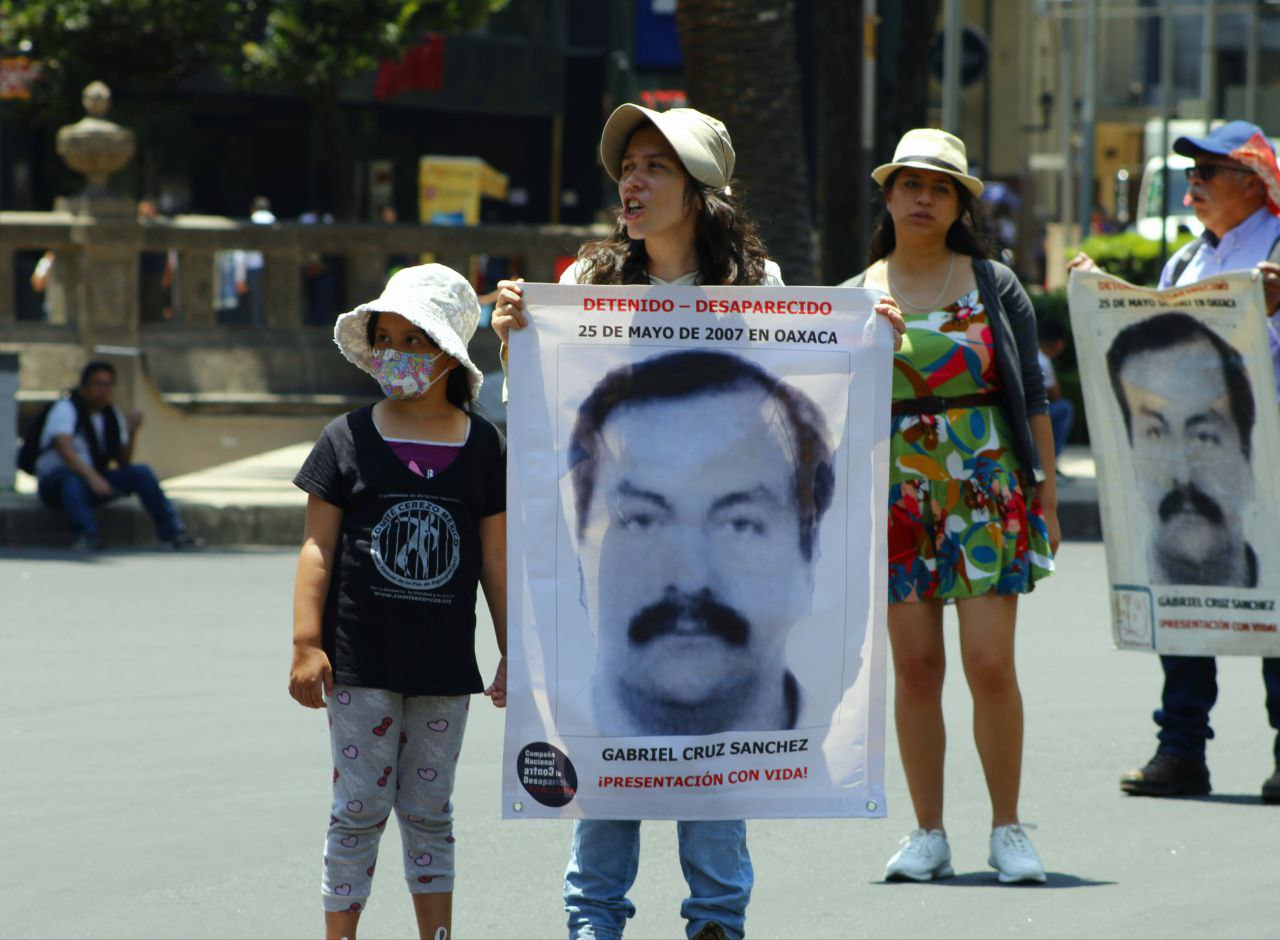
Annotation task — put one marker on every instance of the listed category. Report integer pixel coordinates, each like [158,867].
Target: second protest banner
[1184,426]
[697,490]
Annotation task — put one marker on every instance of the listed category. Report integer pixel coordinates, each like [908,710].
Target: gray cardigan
[1013,329]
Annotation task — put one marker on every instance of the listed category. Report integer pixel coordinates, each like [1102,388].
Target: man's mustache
[685,613]
[1186,497]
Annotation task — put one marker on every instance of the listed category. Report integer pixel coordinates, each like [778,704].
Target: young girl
[405,514]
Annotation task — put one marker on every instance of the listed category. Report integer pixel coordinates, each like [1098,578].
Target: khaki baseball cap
[700,141]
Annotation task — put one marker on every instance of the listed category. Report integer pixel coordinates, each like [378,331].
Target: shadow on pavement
[1238,799]
[987,879]
[112,554]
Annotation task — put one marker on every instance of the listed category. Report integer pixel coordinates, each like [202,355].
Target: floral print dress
[963,516]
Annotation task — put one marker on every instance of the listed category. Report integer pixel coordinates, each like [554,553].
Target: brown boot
[1168,775]
[1271,787]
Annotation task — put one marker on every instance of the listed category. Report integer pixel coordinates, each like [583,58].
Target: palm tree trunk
[740,66]
[908,29]
[843,180]
[335,158]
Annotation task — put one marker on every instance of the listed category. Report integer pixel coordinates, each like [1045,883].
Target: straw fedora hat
[927,148]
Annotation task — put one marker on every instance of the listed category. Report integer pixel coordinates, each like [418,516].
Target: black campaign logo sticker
[416,545]
[547,774]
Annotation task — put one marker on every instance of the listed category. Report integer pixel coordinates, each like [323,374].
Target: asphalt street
[159,782]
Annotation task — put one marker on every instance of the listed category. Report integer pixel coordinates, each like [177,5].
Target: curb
[1080,520]
[27,523]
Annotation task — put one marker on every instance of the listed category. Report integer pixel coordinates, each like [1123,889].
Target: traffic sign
[974,54]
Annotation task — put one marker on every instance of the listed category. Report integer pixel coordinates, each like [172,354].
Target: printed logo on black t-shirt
[416,545]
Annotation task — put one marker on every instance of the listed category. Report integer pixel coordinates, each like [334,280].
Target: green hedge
[1128,255]
[1053,306]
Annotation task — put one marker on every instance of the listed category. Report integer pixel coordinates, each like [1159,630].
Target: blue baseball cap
[1221,140]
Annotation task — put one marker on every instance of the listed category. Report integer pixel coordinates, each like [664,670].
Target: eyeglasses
[1207,171]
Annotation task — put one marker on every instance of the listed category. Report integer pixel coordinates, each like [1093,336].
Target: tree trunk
[843,181]
[740,66]
[903,70]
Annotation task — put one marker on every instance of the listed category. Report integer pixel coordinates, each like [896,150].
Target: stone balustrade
[94,297]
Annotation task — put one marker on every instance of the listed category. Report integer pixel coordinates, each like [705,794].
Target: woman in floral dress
[972,515]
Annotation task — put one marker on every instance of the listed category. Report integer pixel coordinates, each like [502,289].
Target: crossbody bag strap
[1192,249]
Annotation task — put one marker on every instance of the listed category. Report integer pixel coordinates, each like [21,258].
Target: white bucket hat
[433,297]
[927,148]
[700,141]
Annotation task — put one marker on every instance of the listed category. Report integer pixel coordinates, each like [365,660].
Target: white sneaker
[923,857]
[1013,856]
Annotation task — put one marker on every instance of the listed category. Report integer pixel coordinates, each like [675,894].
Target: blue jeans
[65,489]
[1060,414]
[1190,689]
[606,855]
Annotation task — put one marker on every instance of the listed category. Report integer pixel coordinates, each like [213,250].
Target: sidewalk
[254,502]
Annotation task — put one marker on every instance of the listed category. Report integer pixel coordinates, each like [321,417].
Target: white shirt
[1240,249]
[62,420]
[1050,377]
[253,260]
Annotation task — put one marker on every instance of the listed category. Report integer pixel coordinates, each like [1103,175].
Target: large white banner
[697,493]
[1185,429]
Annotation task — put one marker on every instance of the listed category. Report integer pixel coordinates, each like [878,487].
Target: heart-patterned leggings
[391,751]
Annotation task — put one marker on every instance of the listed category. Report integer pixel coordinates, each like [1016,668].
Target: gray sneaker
[923,857]
[1013,856]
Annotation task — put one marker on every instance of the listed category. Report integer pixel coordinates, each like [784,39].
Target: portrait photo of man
[1189,412]
[699,481]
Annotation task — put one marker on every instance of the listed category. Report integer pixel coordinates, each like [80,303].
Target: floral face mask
[405,375]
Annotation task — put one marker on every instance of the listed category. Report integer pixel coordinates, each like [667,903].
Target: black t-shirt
[400,614]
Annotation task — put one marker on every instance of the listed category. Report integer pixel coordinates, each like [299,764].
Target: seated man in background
[85,452]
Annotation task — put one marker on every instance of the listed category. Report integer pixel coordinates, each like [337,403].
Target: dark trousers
[1061,413]
[1190,689]
[65,489]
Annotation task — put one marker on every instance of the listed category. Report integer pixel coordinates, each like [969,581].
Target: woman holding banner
[679,224]
[972,516]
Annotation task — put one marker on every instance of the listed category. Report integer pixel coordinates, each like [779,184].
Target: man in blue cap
[1235,192]
[1234,188]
